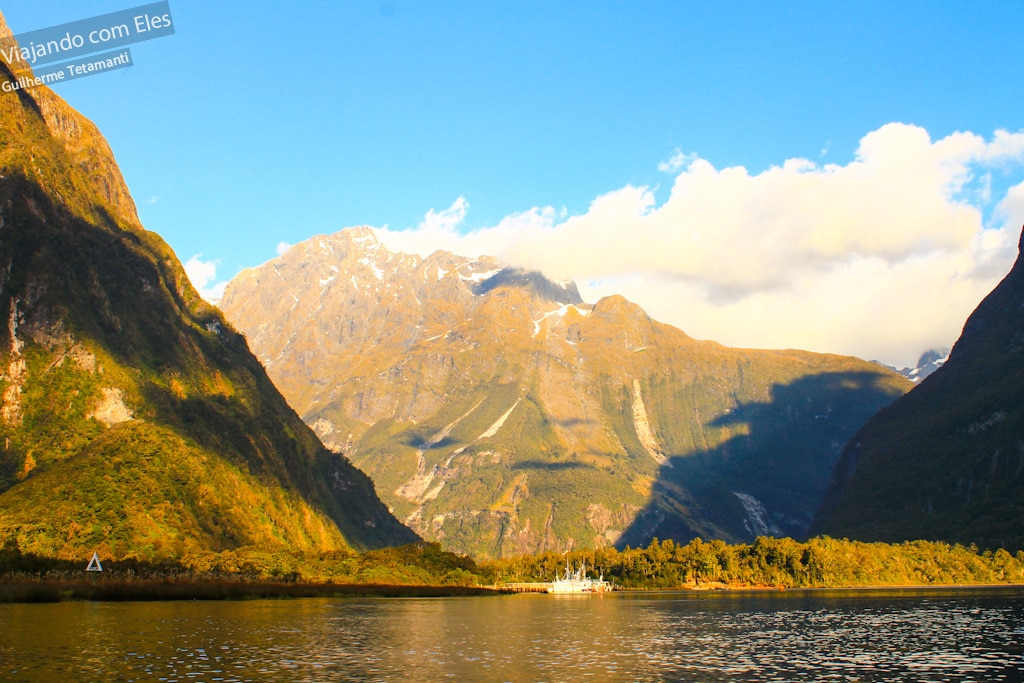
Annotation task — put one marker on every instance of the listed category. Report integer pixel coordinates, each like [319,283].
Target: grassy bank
[44,590]
[415,570]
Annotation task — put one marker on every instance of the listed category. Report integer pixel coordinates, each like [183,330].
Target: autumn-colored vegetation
[421,569]
[426,569]
[776,562]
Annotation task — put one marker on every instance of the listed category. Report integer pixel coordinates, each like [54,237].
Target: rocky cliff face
[498,413]
[946,461]
[133,419]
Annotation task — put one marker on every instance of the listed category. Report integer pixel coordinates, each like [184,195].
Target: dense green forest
[768,562]
[778,562]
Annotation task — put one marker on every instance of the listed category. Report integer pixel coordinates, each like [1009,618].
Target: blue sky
[262,123]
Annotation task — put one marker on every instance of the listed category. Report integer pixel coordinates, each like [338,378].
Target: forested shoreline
[427,570]
[776,562]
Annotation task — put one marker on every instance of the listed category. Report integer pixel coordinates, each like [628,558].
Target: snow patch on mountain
[480,276]
[362,236]
[929,362]
[560,312]
[372,265]
[324,248]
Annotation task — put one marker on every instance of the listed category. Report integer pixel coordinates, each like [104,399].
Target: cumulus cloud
[883,257]
[677,161]
[1011,209]
[203,276]
[440,230]
[282,247]
[447,219]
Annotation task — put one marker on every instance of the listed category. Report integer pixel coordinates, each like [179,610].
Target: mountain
[133,419]
[946,461]
[929,362]
[499,413]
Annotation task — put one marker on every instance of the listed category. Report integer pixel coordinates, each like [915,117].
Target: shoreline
[801,589]
[27,591]
[148,590]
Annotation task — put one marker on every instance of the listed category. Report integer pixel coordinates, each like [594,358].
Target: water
[932,635]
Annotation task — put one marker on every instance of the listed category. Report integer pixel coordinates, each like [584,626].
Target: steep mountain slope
[498,413]
[946,461]
[133,419]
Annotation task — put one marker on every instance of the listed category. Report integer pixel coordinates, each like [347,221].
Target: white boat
[577,581]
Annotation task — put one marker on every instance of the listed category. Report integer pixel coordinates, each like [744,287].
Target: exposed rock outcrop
[499,413]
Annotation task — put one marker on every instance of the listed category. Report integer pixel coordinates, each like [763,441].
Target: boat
[577,581]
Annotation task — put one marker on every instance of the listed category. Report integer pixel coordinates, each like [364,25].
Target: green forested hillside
[133,418]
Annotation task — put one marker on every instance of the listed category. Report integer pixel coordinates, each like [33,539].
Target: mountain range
[498,413]
[946,461]
[493,409]
[134,421]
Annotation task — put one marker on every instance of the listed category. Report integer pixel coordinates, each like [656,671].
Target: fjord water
[921,635]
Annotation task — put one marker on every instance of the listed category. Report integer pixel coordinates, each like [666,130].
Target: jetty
[523,587]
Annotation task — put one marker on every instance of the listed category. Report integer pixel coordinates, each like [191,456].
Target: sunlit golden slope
[133,419]
[499,413]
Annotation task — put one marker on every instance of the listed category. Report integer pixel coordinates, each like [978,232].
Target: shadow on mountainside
[770,475]
[79,280]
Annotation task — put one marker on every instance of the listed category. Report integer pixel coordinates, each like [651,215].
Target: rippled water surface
[931,635]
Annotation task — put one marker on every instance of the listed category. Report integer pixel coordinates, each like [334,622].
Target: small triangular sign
[94,564]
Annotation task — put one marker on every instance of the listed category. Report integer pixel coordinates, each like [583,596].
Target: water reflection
[792,636]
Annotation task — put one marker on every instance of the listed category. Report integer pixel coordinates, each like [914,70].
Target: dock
[544,587]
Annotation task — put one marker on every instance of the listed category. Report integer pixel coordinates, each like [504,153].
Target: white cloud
[1011,209]
[203,276]
[446,220]
[883,257]
[437,230]
[282,247]
[677,161]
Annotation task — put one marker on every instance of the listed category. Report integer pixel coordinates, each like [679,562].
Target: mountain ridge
[107,346]
[498,413]
[946,461]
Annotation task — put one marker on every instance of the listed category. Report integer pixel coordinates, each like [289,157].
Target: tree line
[767,562]
[821,562]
